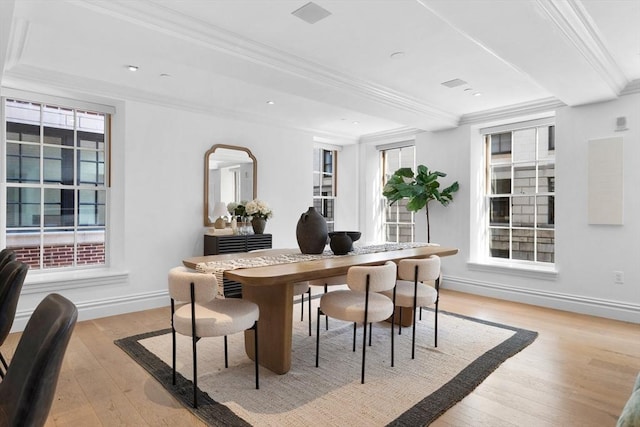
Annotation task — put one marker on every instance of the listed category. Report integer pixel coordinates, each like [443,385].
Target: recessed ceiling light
[396,55]
[270,102]
[355,122]
[477,94]
[132,67]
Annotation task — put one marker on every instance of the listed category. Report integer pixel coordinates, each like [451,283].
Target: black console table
[216,245]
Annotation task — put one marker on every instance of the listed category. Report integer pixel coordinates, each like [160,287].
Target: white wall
[586,255]
[157,194]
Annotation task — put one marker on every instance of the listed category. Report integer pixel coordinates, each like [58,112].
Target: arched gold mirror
[230,175]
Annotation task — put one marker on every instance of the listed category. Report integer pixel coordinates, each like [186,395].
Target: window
[398,223]
[520,192]
[56,191]
[324,184]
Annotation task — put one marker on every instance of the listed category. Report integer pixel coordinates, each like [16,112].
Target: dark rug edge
[209,411]
[423,413]
[437,403]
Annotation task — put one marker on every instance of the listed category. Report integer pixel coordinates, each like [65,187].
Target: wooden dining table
[271,288]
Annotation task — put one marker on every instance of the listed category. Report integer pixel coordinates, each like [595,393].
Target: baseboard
[577,304]
[98,308]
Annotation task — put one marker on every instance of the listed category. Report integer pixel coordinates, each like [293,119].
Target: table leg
[274,326]
[407,316]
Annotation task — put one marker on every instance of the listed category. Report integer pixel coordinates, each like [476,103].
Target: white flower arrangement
[258,208]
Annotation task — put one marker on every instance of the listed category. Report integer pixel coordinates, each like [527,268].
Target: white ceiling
[230,57]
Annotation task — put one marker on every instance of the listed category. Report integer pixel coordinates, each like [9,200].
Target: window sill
[515,269]
[47,281]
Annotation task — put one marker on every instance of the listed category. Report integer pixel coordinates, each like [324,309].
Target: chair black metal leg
[173,339]
[400,323]
[317,336]
[195,371]
[255,345]
[436,325]
[226,357]
[364,327]
[420,313]
[309,292]
[370,333]
[194,340]
[393,320]
[354,335]
[326,319]
[302,307]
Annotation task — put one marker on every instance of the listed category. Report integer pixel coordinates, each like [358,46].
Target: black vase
[311,232]
[258,225]
[340,243]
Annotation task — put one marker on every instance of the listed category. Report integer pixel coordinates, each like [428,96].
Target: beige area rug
[414,392]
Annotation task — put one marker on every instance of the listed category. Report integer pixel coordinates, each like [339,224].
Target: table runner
[219,267]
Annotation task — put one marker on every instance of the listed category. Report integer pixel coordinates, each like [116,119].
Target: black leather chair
[11,280]
[27,391]
[6,256]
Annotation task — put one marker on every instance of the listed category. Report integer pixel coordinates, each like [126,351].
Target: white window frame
[480,259]
[384,204]
[76,106]
[318,176]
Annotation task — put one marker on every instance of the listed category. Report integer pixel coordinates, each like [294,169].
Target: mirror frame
[209,152]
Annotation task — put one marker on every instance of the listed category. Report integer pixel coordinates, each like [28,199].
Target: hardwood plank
[579,371]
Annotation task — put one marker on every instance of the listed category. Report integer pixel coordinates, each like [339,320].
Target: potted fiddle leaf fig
[420,189]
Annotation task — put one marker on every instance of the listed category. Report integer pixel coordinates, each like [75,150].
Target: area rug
[413,393]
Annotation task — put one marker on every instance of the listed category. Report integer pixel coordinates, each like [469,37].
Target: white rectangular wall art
[605,181]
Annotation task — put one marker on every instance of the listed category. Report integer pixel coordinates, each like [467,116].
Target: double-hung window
[55,184]
[398,223]
[520,193]
[324,184]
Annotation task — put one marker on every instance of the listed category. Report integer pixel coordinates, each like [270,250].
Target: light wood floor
[579,372]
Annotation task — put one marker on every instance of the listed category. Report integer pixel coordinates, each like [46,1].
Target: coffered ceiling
[369,67]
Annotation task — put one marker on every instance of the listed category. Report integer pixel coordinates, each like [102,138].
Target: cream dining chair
[325,283]
[412,292]
[204,315]
[361,303]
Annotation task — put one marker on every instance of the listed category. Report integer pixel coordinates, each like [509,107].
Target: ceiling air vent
[454,83]
[311,13]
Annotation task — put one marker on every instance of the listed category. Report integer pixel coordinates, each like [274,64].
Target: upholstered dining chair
[6,256]
[28,389]
[361,303]
[413,291]
[203,315]
[325,283]
[12,278]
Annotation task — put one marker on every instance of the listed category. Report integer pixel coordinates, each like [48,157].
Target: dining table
[271,288]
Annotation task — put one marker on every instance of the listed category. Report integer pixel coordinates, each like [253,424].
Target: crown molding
[393,135]
[515,110]
[574,22]
[175,24]
[632,88]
